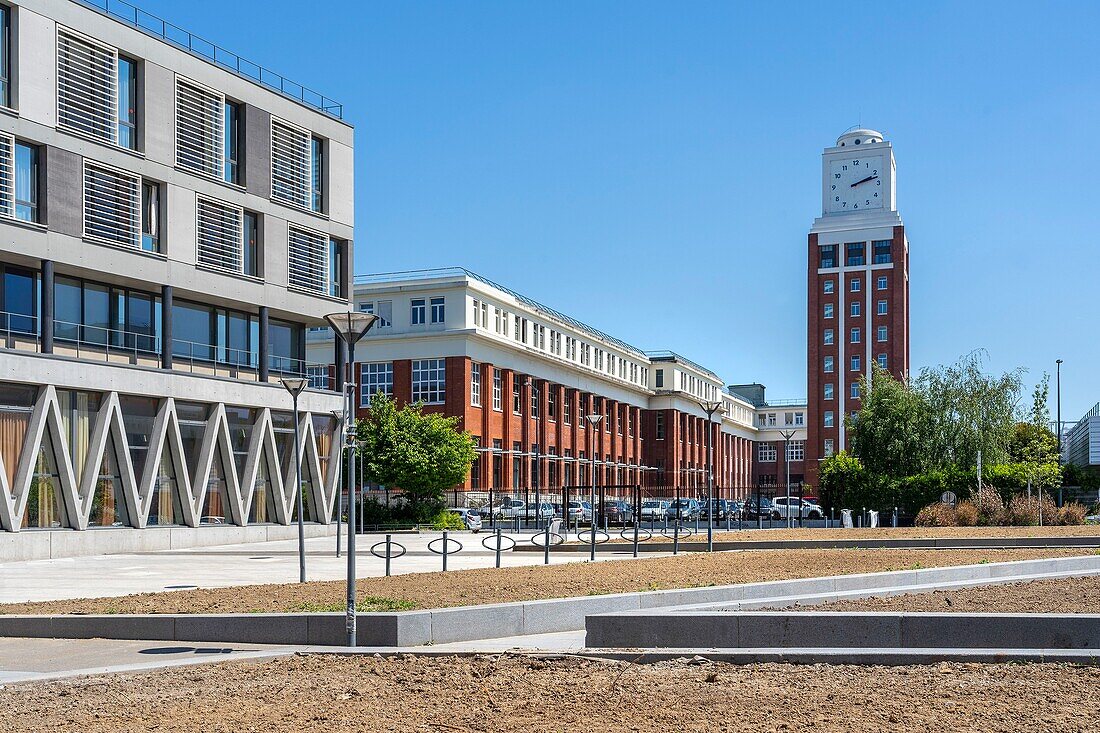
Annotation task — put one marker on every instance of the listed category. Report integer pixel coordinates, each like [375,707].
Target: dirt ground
[490,585]
[510,693]
[1064,595]
[1083,530]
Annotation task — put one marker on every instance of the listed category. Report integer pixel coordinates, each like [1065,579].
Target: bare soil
[513,693]
[1064,595]
[877,533]
[490,585]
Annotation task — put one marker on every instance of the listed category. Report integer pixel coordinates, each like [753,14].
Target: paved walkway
[247,564]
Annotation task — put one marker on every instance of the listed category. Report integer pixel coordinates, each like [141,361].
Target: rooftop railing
[208,51]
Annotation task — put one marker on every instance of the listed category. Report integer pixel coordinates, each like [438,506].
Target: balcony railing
[215,54]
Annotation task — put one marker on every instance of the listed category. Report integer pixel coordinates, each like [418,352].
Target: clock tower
[858,279]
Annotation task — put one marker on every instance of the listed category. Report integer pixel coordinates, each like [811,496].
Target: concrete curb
[469,623]
[928,543]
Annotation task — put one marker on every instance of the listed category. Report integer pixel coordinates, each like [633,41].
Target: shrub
[936,514]
[1049,510]
[1022,511]
[1072,513]
[449,520]
[966,514]
[987,500]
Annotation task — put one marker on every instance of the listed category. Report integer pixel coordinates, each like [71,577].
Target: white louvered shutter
[308,257]
[7,176]
[220,234]
[112,205]
[290,164]
[87,86]
[200,125]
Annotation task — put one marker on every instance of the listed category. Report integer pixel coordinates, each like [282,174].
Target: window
[855,335]
[796,450]
[828,310]
[881,282]
[517,400]
[619,421]
[882,360]
[766,452]
[855,308]
[498,379]
[882,307]
[88,92]
[384,313]
[518,331]
[150,216]
[419,311]
[19,179]
[552,404]
[201,133]
[829,286]
[855,254]
[336,249]
[5,56]
[535,396]
[567,409]
[286,346]
[828,256]
[498,462]
[291,164]
[18,300]
[659,425]
[828,337]
[800,418]
[222,237]
[127,103]
[231,146]
[855,390]
[828,365]
[112,205]
[318,376]
[771,419]
[317,178]
[828,447]
[855,362]
[475,385]
[439,314]
[375,377]
[251,244]
[429,380]
[308,260]
[828,390]
[856,285]
[882,252]
[788,418]
[828,418]
[881,333]
[497,325]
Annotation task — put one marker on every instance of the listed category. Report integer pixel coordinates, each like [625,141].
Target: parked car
[781,507]
[654,510]
[557,509]
[509,509]
[721,509]
[752,511]
[580,511]
[617,512]
[686,509]
[542,510]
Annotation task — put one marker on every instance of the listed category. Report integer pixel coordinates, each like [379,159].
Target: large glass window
[497,390]
[5,56]
[231,142]
[286,346]
[336,267]
[18,301]
[828,256]
[882,252]
[192,326]
[766,452]
[96,325]
[375,377]
[429,380]
[419,311]
[475,384]
[317,152]
[251,244]
[438,310]
[127,103]
[94,313]
[26,182]
[16,404]
[150,216]
[855,254]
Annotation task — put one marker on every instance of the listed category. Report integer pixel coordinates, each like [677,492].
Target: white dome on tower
[859,136]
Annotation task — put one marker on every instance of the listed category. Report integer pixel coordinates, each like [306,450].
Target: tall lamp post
[350,327]
[593,423]
[297,385]
[1058,418]
[712,505]
[787,435]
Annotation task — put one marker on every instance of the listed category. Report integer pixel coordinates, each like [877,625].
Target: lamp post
[1058,414]
[593,426]
[349,328]
[712,506]
[787,435]
[296,385]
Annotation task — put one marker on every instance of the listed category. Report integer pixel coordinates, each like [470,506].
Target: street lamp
[712,506]
[594,424]
[349,328]
[296,385]
[787,435]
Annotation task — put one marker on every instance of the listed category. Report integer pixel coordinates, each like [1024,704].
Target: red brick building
[858,287]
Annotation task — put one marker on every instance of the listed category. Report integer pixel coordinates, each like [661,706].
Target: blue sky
[652,168]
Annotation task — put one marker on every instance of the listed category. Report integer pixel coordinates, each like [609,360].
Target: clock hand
[868,178]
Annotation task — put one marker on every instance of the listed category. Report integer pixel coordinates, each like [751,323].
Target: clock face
[855,183]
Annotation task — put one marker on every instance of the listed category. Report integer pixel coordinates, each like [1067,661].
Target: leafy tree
[1033,444]
[842,477]
[890,434]
[421,453]
[1040,408]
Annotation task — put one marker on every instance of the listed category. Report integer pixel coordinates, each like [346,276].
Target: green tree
[891,432]
[421,453]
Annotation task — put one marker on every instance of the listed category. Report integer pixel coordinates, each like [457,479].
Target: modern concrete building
[522,376]
[1081,443]
[858,287]
[172,220]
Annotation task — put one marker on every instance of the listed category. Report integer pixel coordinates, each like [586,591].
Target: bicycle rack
[588,533]
[387,555]
[445,551]
[644,535]
[539,539]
